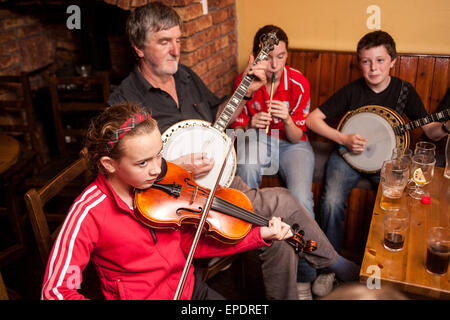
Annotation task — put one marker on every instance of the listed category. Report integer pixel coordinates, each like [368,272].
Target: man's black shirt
[196,101]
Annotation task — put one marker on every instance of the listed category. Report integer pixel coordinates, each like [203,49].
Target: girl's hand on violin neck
[277,230]
[197,163]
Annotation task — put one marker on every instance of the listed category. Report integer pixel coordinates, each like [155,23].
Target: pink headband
[126,127]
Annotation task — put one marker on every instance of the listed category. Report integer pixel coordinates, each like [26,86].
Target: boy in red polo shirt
[284,147]
[285,116]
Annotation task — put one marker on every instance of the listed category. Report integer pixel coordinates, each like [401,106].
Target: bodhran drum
[375,123]
[196,136]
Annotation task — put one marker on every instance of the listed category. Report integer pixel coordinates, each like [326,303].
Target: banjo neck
[233,103]
[435,117]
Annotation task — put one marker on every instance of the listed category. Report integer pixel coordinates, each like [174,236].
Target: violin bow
[201,225]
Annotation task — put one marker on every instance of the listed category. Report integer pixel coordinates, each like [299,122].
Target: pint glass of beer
[396,226]
[438,250]
[394,176]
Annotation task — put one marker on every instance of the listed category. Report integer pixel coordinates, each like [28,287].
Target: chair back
[76,99]
[36,200]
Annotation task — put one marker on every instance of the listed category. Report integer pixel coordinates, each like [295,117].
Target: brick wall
[29,41]
[209,43]
[25,43]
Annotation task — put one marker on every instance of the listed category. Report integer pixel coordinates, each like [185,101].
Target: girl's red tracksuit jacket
[130,262]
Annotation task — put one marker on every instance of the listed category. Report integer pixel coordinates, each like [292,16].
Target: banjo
[193,136]
[384,129]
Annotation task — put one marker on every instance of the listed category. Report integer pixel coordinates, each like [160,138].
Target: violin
[175,199]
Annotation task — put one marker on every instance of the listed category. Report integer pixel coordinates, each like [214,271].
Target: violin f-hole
[200,209]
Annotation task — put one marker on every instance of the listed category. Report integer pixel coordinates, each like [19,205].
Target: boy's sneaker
[304,291]
[323,284]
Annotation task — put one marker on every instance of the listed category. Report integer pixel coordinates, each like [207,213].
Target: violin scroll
[299,243]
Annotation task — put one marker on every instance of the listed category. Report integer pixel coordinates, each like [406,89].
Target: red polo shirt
[293,90]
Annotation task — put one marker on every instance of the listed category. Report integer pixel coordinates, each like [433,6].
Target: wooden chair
[44,232]
[37,199]
[75,100]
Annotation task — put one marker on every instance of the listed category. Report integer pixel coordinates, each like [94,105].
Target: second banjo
[385,129]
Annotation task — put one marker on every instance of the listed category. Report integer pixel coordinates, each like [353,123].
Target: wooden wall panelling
[312,73]
[448,78]
[327,75]
[343,70]
[356,73]
[296,59]
[425,68]
[440,82]
[408,69]
[395,71]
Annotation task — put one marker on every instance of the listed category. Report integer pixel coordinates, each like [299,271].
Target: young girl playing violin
[132,260]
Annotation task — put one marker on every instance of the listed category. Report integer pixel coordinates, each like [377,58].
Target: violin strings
[234,210]
[240,212]
[244,214]
[228,207]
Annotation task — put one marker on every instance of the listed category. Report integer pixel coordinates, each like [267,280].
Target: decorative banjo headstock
[266,43]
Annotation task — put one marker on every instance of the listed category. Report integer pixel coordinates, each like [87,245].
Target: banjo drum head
[196,136]
[380,141]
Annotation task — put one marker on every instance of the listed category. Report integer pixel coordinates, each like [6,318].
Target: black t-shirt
[357,94]
[445,102]
[196,101]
